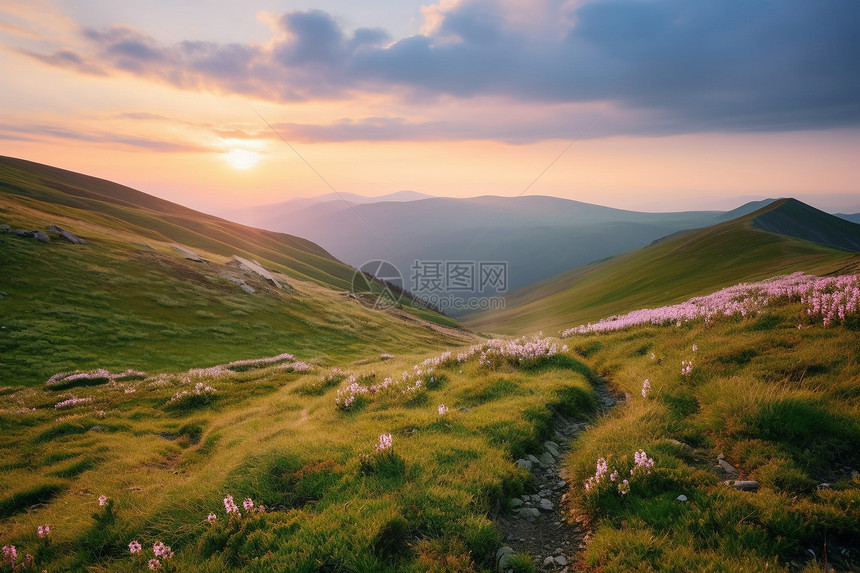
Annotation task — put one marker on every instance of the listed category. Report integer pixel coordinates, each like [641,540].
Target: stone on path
[525,464]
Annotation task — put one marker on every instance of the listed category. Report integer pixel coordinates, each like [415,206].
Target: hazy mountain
[535,236]
[782,237]
[268,216]
[854,218]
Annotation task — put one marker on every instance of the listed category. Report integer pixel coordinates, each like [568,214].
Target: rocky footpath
[537,525]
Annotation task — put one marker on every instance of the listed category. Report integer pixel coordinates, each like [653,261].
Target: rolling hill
[536,236]
[758,245]
[159,286]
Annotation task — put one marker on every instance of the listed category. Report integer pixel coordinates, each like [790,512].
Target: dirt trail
[537,526]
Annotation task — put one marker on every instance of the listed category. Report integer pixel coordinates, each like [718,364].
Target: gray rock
[526,464]
[547,459]
[255,267]
[516,503]
[5,229]
[239,282]
[727,467]
[742,485]
[561,560]
[505,559]
[189,254]
[681,497]
[70,237]
[552,448]
[96,429]
[549,562]
[534,460]
[37,235]
[528,512]
[545,505]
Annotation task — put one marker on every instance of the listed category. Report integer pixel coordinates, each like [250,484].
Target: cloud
[35,132]
[677,65]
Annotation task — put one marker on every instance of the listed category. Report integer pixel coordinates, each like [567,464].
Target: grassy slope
[115,304]
[278,438]
[780,403]
[666,272]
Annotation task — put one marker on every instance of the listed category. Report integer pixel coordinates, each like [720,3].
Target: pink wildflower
[102,500]
[230,506]
[43,530]
[212,518]
[646,387]
[10,553]
[134,547]
[154,564]
[162,550]
[248,504]
[385,442]
[443,409]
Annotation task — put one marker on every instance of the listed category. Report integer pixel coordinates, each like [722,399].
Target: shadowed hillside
[676,268]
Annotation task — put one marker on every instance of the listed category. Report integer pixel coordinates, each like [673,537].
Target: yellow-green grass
[667,272]
[780,403]
[114,303]
[332,501]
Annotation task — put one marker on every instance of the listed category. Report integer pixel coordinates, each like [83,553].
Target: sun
[242,158]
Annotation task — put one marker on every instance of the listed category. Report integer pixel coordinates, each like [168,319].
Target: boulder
[5,229]
[70,237]
[503,557]
[545,505]
[189,254]
[255,267]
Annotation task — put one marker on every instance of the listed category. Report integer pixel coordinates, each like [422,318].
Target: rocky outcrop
[189,254]
[70,237]
[254,267]
[239,282]
[36,235]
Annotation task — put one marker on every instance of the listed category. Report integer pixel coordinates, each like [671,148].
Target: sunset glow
[220,105]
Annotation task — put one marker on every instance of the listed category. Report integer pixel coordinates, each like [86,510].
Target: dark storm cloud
[684,65]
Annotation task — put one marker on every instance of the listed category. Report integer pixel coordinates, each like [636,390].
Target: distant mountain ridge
[535,236]
[783,236]
[793,218]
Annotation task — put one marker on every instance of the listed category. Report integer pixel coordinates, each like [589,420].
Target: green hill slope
[674,269]
[129,299]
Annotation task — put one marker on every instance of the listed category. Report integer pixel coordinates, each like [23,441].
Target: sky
[655,105]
